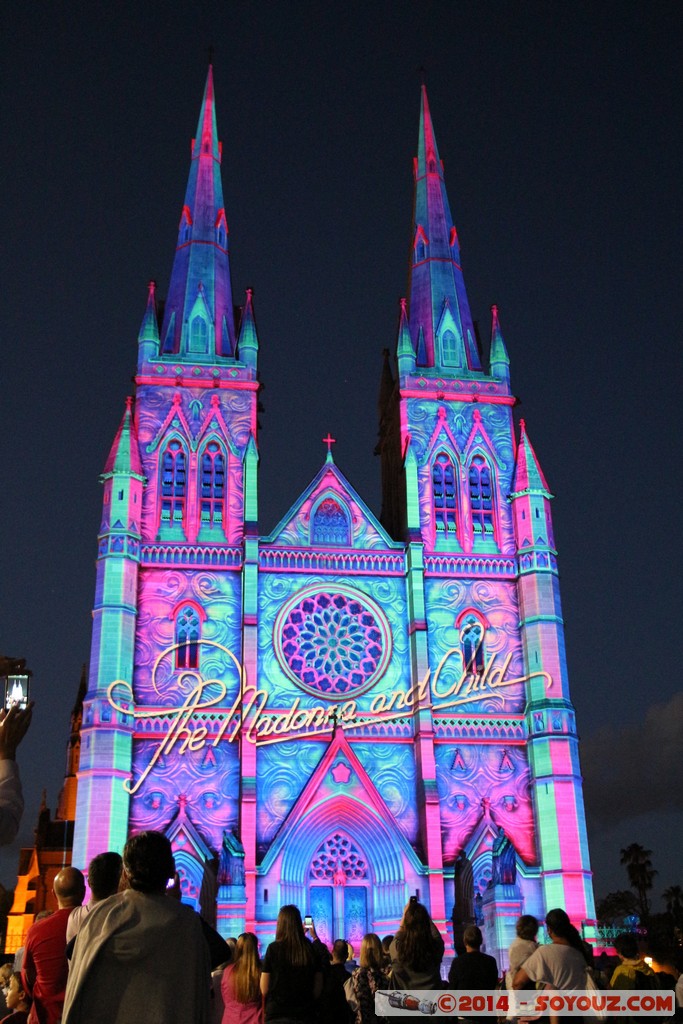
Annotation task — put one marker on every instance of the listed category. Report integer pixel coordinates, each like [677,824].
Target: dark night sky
[559,125]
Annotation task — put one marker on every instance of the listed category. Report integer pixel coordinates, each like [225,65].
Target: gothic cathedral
[350,710]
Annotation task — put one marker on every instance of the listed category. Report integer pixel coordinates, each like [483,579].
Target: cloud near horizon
[635,769]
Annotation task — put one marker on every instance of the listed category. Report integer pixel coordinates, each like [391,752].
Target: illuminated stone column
[551,722]
[106,736]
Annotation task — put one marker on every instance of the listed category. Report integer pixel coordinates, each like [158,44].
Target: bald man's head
[69,888]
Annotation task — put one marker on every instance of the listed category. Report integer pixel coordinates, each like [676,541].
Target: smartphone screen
[16,691]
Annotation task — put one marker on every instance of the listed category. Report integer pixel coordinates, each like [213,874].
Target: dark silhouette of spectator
[45,967]
[473,969]
[140,955]
[417,950]
[291,980]
[104,876]
[333,1008]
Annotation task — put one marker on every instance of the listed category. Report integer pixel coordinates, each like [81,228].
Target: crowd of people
[135,952]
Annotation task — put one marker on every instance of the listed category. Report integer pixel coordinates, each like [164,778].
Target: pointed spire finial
[528,473]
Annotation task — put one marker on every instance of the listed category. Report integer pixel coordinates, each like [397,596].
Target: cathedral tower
[473,508]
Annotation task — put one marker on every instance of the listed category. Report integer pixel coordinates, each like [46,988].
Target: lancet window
[330,524]
[449,349]
[187,637]
[212,485]
[444,485]
[199,334]
[173,483]
[481,498]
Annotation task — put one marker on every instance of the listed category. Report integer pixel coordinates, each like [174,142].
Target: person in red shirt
[45,969]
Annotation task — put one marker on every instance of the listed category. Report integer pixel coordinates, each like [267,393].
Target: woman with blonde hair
[366,980]
[240,984]
[290,979]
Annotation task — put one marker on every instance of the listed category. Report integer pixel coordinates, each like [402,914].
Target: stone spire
[198,316]
[441,324]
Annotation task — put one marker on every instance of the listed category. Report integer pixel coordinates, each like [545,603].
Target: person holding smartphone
[14,723]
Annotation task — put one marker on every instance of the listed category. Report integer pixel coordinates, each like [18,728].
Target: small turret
[405,353]
[148,337]
[247,345]
[499,359]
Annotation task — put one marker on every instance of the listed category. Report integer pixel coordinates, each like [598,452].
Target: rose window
[333,644]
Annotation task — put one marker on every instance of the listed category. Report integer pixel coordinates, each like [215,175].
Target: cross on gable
[329,441]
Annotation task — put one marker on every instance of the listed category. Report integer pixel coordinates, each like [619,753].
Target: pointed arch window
[199,335]
[212,485]
[449,349]
[173,483]
[420,251]
[481,498]
[444,484]
[188,630]
[472,644]
[330,524]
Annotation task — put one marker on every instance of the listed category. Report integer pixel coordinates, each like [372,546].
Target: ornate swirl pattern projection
[332,642]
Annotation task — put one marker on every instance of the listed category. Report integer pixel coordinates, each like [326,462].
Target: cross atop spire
[329,441]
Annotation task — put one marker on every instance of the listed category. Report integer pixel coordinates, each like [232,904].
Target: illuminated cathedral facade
[352,709]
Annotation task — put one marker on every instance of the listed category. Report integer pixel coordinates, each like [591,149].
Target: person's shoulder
[538,956]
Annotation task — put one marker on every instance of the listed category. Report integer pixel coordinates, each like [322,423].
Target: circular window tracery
[332,644]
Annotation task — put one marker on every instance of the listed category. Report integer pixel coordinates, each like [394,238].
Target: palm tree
[674,902]
[641,874]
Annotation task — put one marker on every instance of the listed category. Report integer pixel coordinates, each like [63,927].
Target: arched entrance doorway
[340,891]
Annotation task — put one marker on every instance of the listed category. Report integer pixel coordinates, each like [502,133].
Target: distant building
[39,864]
[349,710]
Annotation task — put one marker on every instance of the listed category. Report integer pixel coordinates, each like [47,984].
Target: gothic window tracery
[330,524]
[187,636]
[336,855]
[481,498]
[444,483]
[212,485]
[173,483]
